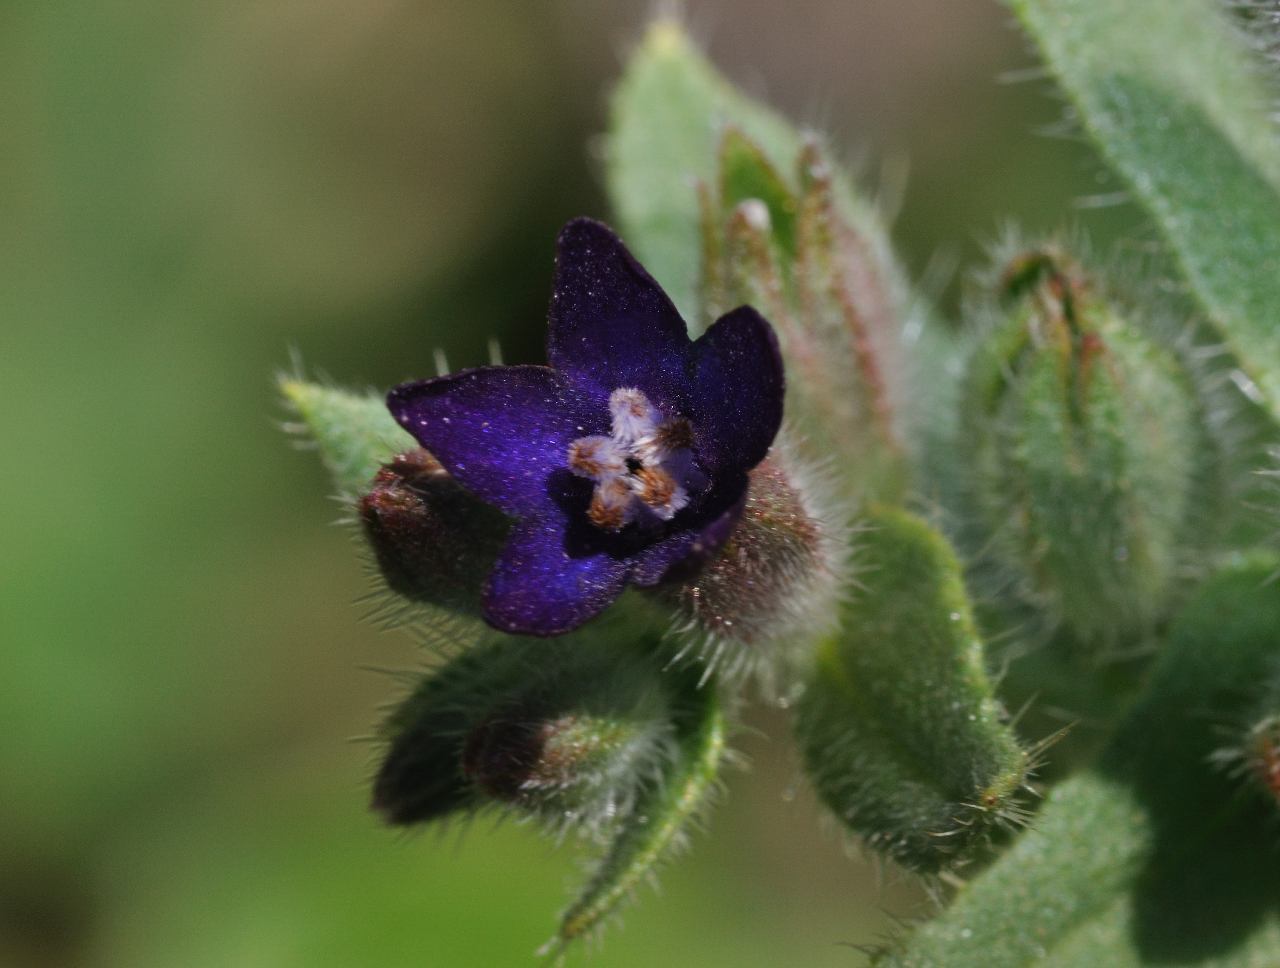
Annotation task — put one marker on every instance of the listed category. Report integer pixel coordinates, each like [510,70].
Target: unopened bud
[1264,756]
[1253,756]
[433,540]
[564,730]
[775,579]
[568,764]
[1081,436]
[826,282]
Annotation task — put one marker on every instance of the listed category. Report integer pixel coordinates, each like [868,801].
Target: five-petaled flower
[624,458]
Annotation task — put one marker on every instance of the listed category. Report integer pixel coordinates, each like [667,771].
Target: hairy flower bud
[598,734]
[568,765]
[433,541]
[1081,437]
[774,584]
[565,730]
[899,726]
[1264,756]
[794,251]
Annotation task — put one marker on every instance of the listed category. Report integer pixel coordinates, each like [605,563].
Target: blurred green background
[188,192]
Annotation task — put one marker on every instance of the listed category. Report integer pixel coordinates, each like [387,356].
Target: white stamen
[597,457]
[612,506]
[644,470]
[634,417]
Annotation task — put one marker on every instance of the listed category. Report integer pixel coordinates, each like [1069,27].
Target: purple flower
[625,457]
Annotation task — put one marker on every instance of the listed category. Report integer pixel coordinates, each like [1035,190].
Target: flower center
[643,470]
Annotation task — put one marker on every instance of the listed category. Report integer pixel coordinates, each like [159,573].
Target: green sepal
[1154,856]
[747,174]
[796,256]
[660,821]
[667,117]
[901,732]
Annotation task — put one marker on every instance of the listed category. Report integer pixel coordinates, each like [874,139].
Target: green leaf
[900,729]
[1153,857]
[1178,103]
[355,432]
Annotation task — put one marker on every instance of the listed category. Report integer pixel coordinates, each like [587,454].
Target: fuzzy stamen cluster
[643,470]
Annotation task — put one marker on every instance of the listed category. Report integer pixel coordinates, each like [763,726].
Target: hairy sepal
[773,589]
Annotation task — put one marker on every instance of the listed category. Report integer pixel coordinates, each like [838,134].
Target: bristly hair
[796,596]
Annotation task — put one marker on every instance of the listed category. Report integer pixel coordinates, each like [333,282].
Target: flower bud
[1081,437]
[433,541]
[566,766]
[774,583]
[592,733]
[899,726]
[826,282]
[564,730]
[1263,746]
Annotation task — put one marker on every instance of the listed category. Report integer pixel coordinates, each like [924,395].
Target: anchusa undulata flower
[1053,491]
[625,457]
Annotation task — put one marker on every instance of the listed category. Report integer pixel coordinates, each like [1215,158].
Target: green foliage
[1152,856]
[899,725]
[1182,110]
[667,117]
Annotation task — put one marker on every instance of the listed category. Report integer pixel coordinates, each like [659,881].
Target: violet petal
[502,431]
[538,588]
[739,390]
[610,323]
